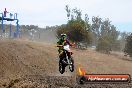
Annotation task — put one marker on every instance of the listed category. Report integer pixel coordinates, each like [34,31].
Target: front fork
[68,59]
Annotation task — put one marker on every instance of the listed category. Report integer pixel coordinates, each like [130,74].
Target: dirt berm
[26,64]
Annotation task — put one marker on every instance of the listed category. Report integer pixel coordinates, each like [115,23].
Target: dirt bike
[66,60]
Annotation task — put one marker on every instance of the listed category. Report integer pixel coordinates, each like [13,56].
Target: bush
[104,45]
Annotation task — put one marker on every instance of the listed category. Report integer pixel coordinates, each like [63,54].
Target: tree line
[96,31]
[99,32]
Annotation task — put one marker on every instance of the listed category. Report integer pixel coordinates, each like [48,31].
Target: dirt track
[25,64]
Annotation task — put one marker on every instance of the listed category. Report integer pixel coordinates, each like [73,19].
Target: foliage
[105,34]
[128,46]
[104,45]
[29,27]
[76,28]
[122,39]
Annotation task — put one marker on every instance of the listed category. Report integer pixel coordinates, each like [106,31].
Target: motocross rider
[63,41]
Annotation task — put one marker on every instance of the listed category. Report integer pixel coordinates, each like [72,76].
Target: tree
[106,34]
[68,11]
[128,46]
[76,28]
[96,24]
[87,23]
[77,31]
[122,40]
[104,45]
[95,29]
[61,29]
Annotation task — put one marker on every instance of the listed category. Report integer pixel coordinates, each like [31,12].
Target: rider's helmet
[63,36]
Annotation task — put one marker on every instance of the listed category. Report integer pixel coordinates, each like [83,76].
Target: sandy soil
[26,64]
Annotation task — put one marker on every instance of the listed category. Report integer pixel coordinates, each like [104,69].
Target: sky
[52,12]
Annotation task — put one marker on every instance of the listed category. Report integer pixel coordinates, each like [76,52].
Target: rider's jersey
[64,42]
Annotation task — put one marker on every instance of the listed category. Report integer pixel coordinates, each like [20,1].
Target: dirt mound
[26,64]
[20,58]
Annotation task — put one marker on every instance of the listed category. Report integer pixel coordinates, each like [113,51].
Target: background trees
[100,32]
[76,28]
[128,46]
[105,35]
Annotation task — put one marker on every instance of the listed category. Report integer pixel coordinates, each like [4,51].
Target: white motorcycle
[66,60]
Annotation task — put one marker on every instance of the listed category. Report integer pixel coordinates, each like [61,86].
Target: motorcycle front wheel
[71,66]
[61,67]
